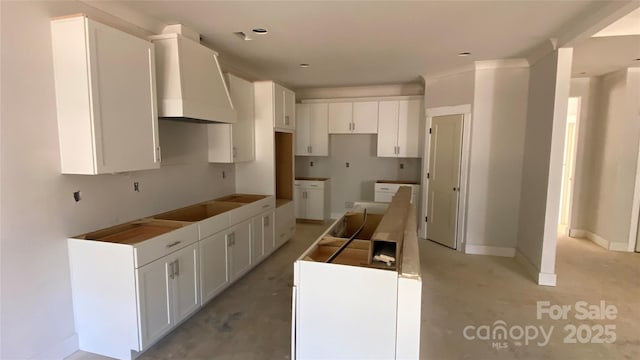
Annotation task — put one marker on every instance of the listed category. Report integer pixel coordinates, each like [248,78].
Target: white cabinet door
[388,128]
[186,299]
[408,128]
[213,265]
[239,242]
[278,106]
[365,117]
[261,236]
[154,294]
[340,118]
[268,232]
[105,97]
[232,143]
[242,95]
[303,129]
[289,109]
[312,129]
[398,128]
[220,139]
[300,201]
[257,239]
[319,129]
[284,107]
[314,204]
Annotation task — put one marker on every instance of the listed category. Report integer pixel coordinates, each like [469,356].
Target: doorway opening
[568,165]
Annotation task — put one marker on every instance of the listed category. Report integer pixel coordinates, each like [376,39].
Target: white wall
[587,90]
[612,136]
[37,208]
[548,96]
[497,146]
[450,90]
[356,182]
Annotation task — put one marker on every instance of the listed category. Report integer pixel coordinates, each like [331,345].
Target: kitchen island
[356,305]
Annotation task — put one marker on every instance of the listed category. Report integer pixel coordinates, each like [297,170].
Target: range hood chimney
[190,84]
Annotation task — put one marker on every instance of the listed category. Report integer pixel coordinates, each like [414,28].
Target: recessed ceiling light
[304,65]
[260,31]
[466,53]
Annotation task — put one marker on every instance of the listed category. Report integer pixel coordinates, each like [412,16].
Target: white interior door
[444,178]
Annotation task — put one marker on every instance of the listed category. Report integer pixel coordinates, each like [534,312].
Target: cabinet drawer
[212,225]
[309,184]
[392,188]
[383,196]
[250,210]
[159,246]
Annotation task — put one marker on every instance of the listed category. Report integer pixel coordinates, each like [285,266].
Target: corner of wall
[541,278]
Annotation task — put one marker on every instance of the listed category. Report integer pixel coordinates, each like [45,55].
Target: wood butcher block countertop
[312,178]
[396,182]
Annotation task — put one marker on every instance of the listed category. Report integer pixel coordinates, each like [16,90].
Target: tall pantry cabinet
[272,171]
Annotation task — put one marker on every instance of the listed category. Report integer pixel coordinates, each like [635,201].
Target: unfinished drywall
[497,146]
[611,142]
[356,182]
[37,208]
[549,82]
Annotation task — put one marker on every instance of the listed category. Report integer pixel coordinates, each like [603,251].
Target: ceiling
[615,47]
[349,43]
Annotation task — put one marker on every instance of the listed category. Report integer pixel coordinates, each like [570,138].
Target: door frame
[461,224]
[576,148]
[634,243]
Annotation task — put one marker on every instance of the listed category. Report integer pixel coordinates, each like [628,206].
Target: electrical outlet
[347,165]
[310,163]
[77,196]
[401,166]
[136,186]
[224,175]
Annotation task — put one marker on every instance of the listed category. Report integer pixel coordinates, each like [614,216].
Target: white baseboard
[599,240]
[545,279]
[62,349]
[489,250]
[618,246]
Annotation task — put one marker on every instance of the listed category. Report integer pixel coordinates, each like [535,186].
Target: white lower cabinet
[239,244]
[311,199]
[168,293]
[135,282]
[285,222]
[214,274]
[261,237]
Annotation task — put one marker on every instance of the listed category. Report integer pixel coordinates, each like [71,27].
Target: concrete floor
[252,318]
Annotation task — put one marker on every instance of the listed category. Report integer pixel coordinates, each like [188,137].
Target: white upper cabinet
[230,143]
[398,128]
[353,117]
[340,117]
[365,117]
[190,82]
[284,108]
[105,98]
[312,136]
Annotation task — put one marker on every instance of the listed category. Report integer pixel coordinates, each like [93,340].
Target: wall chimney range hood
[190,84]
